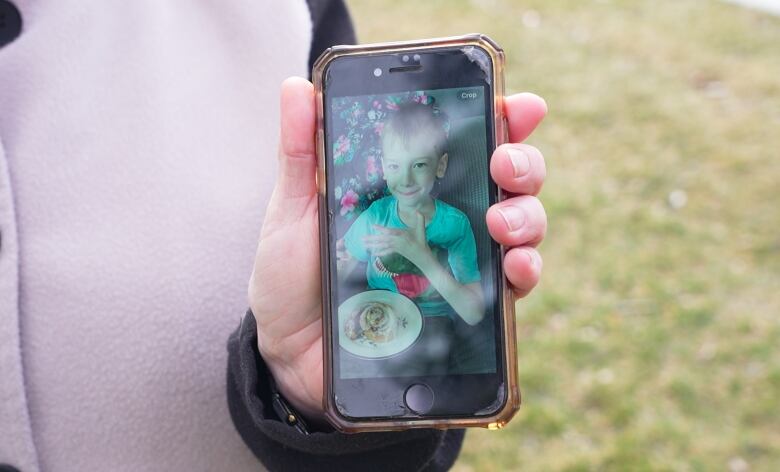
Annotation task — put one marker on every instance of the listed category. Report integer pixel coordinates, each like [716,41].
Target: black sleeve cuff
[331,25]
[280,447]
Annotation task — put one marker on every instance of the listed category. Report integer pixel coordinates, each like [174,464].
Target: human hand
[519,223]
[410,243]
[284,289]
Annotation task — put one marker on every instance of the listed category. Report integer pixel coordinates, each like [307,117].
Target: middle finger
[518,168]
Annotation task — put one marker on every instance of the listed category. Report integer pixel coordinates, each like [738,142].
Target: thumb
[295,185]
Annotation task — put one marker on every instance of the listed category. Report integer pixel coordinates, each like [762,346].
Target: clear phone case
[511,391]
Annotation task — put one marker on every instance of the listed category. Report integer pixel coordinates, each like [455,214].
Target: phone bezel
[506,400]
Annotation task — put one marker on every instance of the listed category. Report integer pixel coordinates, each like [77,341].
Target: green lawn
[653,341]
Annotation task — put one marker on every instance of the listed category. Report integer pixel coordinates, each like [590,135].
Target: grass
[652,342]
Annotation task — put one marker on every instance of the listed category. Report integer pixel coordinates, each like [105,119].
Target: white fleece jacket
[137,153]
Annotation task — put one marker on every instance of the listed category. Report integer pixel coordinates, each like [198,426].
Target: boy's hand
[410,243]
[284,290]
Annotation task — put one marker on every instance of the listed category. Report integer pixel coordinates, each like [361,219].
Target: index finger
[524,111]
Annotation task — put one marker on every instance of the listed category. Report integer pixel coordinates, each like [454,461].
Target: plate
[407,316]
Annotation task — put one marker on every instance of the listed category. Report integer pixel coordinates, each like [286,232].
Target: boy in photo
[413,243]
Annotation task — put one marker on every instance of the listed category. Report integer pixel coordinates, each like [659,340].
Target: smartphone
[418,319]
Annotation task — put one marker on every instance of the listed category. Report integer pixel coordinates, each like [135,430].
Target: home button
[419,398]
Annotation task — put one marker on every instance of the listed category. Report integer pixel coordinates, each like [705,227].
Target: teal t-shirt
[449,236]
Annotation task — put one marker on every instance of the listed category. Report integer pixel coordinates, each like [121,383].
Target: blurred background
[653,340]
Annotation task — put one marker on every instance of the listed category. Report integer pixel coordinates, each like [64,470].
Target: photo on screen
[415,290]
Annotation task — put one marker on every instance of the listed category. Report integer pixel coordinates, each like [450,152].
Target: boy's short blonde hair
[414,119]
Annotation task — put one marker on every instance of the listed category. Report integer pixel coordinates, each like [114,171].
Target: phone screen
[414,274]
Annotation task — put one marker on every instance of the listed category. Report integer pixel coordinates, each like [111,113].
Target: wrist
[426,262]
[294,389]
[291,388]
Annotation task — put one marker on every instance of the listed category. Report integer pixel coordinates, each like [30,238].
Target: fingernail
[513,217]
[530,257]
[520,162]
